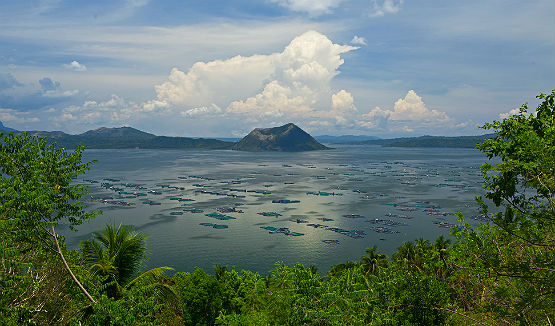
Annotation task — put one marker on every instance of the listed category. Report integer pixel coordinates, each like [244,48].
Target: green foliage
[117,253]
[35,194]
[510,266]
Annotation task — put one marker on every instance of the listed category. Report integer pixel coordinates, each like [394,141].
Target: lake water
[412,192]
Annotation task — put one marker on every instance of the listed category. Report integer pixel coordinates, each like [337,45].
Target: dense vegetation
[502,273]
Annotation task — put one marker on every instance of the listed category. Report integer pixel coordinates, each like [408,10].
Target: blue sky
[220,68]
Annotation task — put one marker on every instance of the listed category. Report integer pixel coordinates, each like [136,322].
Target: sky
[387,68]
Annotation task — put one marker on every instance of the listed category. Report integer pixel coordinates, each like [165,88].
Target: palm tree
[406,252]
[441,246]
[373,260]
[118,255]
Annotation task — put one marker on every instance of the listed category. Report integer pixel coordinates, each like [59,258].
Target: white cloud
[294,82]
[413,108]
[383,7]
[202,111]
[10,115]
[514,111]
[274,101]
[358,40]
[342,100]
[114,111]
[75,66]
[409,110]
[311,7]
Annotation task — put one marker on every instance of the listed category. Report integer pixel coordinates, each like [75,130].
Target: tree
[373,260]
[511,263]
[118,255]
[37,193]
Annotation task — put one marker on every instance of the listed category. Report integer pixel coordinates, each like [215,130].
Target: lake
[349,198]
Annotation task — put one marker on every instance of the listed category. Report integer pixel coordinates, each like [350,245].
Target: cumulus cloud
[342,100]
[75,66]
[52,89]
[294,82]
[311,7]
[202,111]
[358,40]
[383,7]
[47,84]
[114,111]
[7,80]
[413,108]
[10,115]
[410,109]
[503,116]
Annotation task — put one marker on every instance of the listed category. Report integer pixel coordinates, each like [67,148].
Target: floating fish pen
[185,199]
[113,202]
[285,201]
[299,221]
[229,210]
[176,213]
[381,229]
[386,222]
[353,216]
[150,202]
[325,219]
[139,194]
[269,214]
[263,192]
[438,214]
[154,192]
[442,224]
[350,233]
[219,216]
[175,198]
[215,226]
[417,205]
[316,226]
[286,231]
[398,216]
[334,242]
[196,210]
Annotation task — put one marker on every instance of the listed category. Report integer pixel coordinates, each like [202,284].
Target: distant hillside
[5,129]
[287,138]
[428,141]
[326,139]
[126,137]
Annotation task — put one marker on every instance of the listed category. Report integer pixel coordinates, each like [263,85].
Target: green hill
[428,141]
[126,137]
